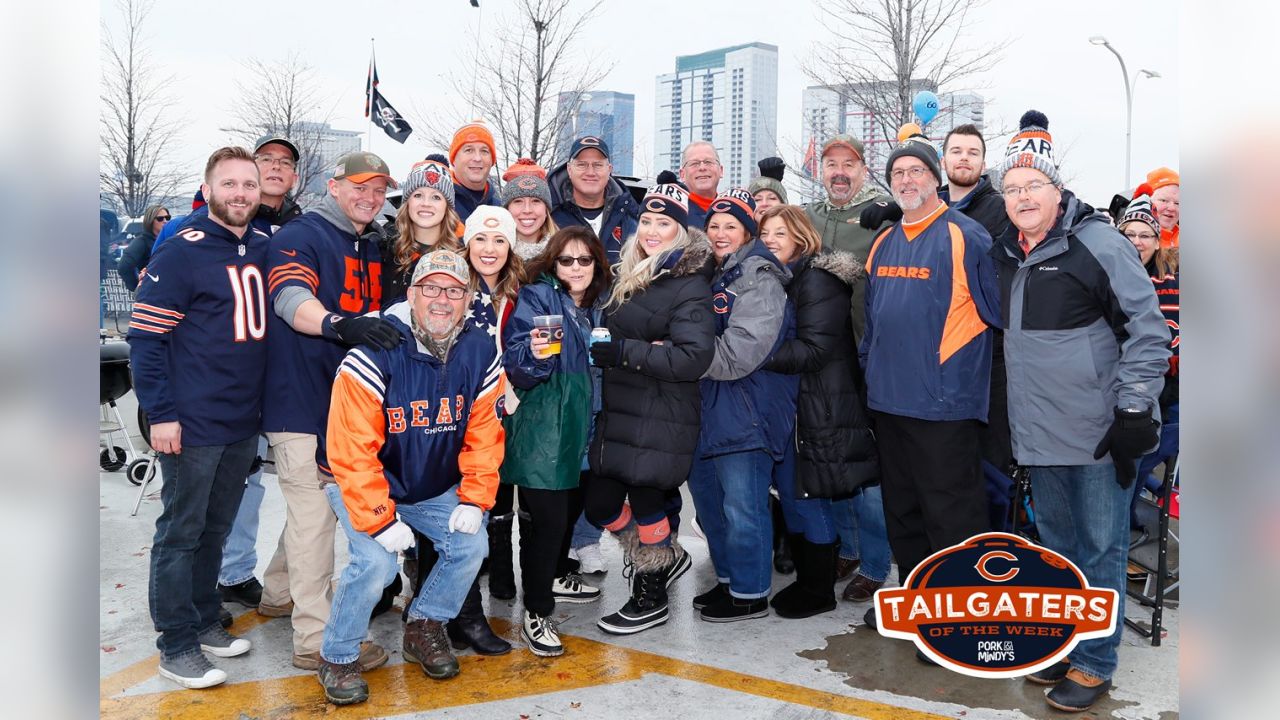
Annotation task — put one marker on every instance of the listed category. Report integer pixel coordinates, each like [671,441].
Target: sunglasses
[583,260]
[162,218]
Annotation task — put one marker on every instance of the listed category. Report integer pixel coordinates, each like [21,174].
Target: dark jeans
[201,493]
[931,479]
[546,527]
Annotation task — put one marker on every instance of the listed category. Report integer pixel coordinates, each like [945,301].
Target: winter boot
[502,578]
[783,561]
[425,644]
[813,592]
[471,628]
[648,604]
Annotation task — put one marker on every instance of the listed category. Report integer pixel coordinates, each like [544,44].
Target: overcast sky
[1049,65]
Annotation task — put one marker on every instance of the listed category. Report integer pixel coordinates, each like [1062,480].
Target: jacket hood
[755,255]
[562,189]
[1077,214]
[843,265]
[329,210]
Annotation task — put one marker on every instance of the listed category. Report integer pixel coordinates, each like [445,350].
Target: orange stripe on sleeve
[356,432]
[483,448]
[963,323]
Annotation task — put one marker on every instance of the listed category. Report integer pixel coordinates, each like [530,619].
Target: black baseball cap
[279,140]
[588,142]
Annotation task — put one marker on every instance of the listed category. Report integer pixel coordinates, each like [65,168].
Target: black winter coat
[135,257]
[835,450]
[651,409]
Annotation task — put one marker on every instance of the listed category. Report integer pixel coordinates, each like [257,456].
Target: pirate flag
[388,118]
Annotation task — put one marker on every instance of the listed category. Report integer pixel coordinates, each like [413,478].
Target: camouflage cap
[845,140]
[360,167]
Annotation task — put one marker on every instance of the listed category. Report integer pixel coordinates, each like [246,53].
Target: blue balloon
[925,106]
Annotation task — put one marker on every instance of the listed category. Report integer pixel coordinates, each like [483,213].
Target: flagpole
[368,100]
[475,74]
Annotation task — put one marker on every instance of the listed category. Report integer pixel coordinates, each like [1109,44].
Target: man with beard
[198,351]
[931,302]
[700,171]
[415,443]
[326,273]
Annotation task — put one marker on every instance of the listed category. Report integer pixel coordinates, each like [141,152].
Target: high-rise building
[611,116]
[330,144]
[728,97]
[828,110]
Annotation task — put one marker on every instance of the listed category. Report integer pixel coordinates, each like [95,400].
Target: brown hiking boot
[371,656]
[845,567]
[342,683]
[426,644]
[860,589]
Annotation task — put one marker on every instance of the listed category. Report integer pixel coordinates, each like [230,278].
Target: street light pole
[1128,101]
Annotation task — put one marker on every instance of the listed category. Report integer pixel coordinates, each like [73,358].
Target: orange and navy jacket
[932,299]
[404,427]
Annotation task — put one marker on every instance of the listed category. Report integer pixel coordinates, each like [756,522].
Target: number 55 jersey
[316,255]
[197,336]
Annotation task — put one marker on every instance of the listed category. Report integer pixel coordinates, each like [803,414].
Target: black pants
[605,496]
[503,501]
[931,479]
[546,527]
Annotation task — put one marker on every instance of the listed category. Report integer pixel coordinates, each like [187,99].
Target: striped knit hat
[738,203]
[1140,211]
[1031,147]
[432,174]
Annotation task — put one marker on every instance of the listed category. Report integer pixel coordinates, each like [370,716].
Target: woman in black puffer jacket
[835,453]
[662,341]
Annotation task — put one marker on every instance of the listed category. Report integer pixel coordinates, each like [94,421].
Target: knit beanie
[469,133]
[1031,147]
[1140,211]
[667,199]
[771,171]
[526,179]
[487,218]
[1160,177]
[431,174]
[738,203]
[915,145]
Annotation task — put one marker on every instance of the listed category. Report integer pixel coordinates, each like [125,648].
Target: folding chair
[1161,579]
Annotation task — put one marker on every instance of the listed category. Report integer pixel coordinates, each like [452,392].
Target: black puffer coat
[836,452]
[651,407]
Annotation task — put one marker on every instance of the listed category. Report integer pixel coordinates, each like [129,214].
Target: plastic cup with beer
[550,327]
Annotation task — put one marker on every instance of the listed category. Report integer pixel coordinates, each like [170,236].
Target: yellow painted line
[403,688]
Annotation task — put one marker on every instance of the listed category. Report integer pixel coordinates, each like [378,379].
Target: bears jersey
[403,427]
[197,336]
[344,272]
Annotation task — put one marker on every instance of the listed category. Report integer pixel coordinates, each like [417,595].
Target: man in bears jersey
[198,350]
[414,443]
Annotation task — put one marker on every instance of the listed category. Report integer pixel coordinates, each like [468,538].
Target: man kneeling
[414,443]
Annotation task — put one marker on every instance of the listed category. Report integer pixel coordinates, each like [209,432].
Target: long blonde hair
[405,250]
[634,271]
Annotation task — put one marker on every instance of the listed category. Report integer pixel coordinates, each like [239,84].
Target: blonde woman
[662,340]
[427,220]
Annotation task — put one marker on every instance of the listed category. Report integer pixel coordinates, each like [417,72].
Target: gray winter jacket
[1084,335]
[758,302]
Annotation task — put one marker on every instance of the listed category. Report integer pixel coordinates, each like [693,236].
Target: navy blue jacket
[621,213]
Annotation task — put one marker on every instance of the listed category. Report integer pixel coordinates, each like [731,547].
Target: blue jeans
[584,533]
[810,516]
[860,522]
[1166,450]
[240,552]
[371,569]
[731,496]
[1083,513]
[201,491]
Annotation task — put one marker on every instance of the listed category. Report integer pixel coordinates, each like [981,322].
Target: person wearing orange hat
[1164,184]
[472,154]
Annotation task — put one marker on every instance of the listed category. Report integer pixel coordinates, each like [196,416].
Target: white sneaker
[217,641]
[540,635]
[589,559]
[571,589]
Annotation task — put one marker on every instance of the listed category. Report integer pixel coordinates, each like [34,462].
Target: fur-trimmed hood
[841,264]
[695,256]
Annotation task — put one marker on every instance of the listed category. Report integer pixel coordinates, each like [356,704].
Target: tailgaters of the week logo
[996,606]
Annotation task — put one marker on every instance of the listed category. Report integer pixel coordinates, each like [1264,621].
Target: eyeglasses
[583,260]
[583,166]
[433,291]
[162,218]
[914,173]
[268,161]
[1013,192]
[695,164]
[1145,237]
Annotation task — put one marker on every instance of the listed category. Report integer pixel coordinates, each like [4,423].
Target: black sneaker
[647,607]
[217,641]
[681,566]
[342,683]
[192,670]
[735,609]
[541,635]
[571,589]
[712,596]
[247,593]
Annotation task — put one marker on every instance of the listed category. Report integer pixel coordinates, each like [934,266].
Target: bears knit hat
[667,199]
[469,133]
[487,218]
[1140,210]
[771,171]
[1160,177]
[360,167]
[738,203]
[844,140]
[526,179]
[441,262]
[917,146]
[1031,147]
[429,174]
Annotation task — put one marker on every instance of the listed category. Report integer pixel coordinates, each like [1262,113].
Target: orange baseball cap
[1160,177]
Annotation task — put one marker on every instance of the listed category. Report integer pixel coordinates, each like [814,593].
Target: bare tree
[518,84]
[137,132]
[284,98]
[882,52]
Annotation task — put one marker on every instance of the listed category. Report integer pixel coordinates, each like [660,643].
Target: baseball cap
[360,167]
[441,262]
[846,140]
[588,142]
[279,140]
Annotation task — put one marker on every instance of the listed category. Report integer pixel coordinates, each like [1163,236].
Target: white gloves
[466,519]
[396,538]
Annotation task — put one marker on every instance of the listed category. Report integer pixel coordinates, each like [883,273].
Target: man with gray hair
[1086,350]
[700,171]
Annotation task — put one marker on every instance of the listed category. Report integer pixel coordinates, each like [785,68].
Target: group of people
[557,351]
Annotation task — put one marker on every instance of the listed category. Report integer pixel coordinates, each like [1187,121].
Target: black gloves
[606,354]
[1131,435]
[772,167]
[364,330]
[876,214]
